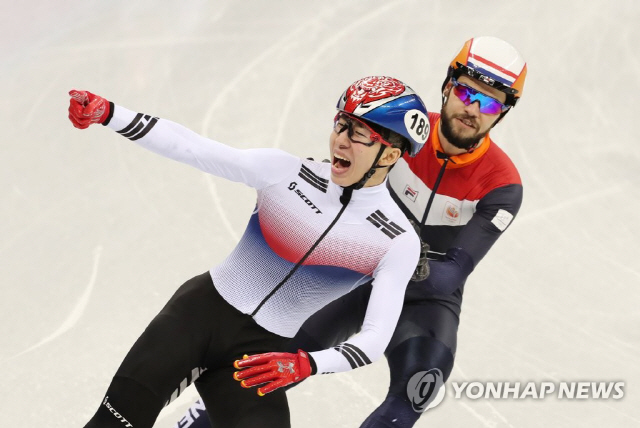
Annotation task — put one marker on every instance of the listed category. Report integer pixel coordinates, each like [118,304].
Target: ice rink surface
[96,233]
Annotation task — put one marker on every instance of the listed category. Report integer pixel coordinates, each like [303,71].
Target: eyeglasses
[468,95]
[345,122]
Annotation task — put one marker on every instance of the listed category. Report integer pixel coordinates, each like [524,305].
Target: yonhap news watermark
[538,390]
[427,389]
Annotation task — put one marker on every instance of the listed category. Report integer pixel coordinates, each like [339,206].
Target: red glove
[276,369]
[86,108]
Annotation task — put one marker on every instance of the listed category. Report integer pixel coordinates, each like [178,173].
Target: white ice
[97,233]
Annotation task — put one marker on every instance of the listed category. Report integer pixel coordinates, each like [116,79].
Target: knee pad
[415,355]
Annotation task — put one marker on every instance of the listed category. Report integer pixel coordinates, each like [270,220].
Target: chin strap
[360,184]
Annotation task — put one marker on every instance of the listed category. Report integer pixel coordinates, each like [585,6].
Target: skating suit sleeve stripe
[353,354]
[139,127]
[357,350]
[146,129]
[348,356]
[130,126]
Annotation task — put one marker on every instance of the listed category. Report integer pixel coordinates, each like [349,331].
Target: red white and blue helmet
[389,103]
[492,61]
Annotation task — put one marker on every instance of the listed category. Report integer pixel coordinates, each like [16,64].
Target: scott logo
[292,186]
[426,390]
[108,405]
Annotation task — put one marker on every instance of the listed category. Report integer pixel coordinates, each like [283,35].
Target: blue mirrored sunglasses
[469,95]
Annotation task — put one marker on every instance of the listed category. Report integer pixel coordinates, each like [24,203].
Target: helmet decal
[391,104]
[492,61]
[504,68]
[370,89]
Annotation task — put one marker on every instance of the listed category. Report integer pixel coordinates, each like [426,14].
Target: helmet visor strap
[475,74]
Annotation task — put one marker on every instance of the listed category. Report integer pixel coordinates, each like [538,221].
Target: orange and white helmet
[492,61]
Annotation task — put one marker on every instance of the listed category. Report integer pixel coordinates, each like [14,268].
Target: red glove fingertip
[79,96]
[237,363]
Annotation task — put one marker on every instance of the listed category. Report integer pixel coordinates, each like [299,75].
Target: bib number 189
[417,125]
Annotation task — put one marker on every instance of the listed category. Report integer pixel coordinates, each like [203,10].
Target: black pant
[195,338]
[424,339]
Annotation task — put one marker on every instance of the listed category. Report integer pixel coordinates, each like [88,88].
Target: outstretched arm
[257,168]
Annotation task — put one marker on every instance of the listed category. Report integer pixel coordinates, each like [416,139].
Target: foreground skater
[319,231]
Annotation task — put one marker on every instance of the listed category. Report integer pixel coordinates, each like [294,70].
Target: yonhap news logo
[539,390]
[426,390]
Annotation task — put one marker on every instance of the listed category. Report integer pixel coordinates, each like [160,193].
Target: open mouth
[340,163]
